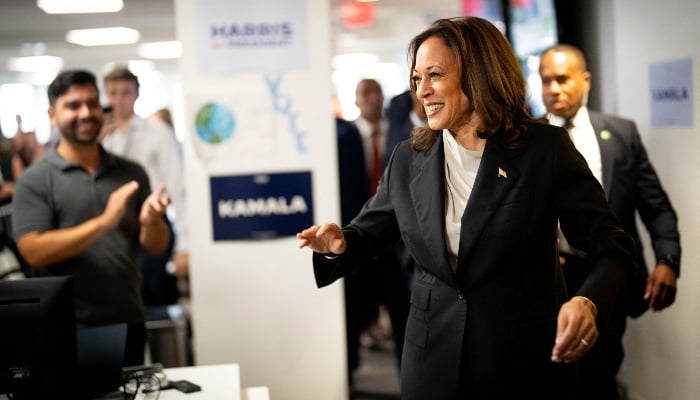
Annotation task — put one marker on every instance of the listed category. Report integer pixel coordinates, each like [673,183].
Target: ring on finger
[584,342]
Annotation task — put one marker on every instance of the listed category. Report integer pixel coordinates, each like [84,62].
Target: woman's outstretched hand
[324,239]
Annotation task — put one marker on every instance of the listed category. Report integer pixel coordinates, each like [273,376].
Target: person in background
[404,113]
[27,151]
[16,155]
[179,266]
[615,153]
[387,284]
[82,211]
[153,145]
[353,195]
[476,196]
[163,115]
[12,266]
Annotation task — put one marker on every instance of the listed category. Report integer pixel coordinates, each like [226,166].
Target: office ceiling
[24,25]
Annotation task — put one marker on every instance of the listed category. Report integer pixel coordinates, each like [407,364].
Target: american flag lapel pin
[502,173]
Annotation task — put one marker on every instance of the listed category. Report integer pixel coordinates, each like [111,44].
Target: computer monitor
[37,337]
[100,360]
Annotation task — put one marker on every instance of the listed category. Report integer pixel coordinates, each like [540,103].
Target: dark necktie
[564,245]
[569,125]
[376,166]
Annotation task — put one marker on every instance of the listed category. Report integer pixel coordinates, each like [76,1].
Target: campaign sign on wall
[244,36]
[671,85]
[261,206]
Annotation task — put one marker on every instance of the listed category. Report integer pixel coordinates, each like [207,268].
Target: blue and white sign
[671,85]
[261,206]
[251,36]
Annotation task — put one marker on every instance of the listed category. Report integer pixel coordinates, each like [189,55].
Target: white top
[583,136]
[153,145]
[461,167]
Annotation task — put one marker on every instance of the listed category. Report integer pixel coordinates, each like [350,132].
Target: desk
[218,382]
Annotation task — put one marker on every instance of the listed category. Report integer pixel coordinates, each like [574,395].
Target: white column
[265,65]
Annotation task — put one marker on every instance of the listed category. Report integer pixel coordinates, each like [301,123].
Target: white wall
[255,303]
[662,353]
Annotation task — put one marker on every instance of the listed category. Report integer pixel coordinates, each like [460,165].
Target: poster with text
[671,85]
[236,36]
[261,206]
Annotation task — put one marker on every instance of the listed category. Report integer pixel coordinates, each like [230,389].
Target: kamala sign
[261,206]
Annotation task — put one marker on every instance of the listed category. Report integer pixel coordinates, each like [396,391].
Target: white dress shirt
[153,145]
[583,136]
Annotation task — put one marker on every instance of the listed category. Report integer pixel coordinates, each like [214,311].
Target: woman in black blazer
[476,197]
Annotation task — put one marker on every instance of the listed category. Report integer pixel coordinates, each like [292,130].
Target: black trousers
[597,369]
[382,282]
[159,288]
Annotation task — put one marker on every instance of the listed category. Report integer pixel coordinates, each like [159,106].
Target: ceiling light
[137,67]
[103,36]
[79,6]
[354,60]
[160,50]
[35,64]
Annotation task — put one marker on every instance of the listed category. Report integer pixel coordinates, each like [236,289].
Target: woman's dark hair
[491,77]
[66,79]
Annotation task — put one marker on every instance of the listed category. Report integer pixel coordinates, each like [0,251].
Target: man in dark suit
[354,191]
[361,160]
[404,113]
[616,156]
[363,291]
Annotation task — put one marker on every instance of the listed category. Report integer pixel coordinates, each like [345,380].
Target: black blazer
[400,124]
[631,185]
[352,175]
[487,331]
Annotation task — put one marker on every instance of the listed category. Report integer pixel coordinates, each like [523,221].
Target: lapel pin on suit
[605,134]
[502,173]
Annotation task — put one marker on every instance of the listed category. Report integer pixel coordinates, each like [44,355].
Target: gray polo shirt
[55,194]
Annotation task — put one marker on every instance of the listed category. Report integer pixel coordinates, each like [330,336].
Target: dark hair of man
[567,48]
[121,74]
[66,79]
[491,77]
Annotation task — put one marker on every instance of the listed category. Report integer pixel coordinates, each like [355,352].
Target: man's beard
[74,134]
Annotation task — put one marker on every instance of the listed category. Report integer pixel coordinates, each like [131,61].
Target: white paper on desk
[256,393]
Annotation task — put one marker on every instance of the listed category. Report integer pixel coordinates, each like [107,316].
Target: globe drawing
[214,123]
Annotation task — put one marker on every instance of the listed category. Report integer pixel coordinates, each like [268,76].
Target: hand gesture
[116,204]
[576,330]
[324,239]
[154,206]
[661,287]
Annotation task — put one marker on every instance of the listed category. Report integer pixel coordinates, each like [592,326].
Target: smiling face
[78,114]
[439,87]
